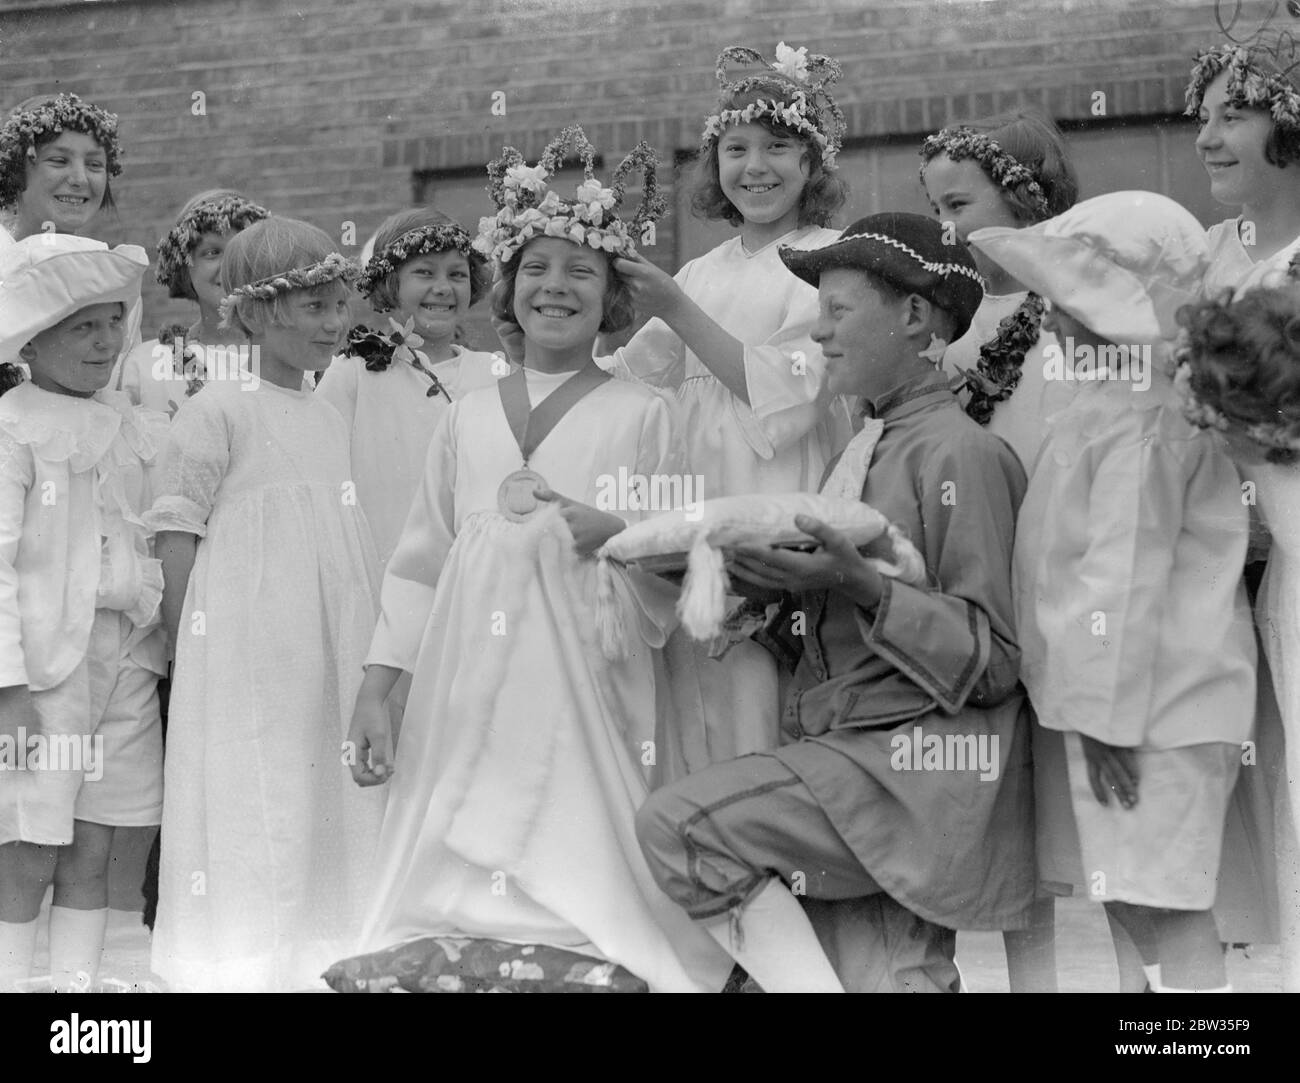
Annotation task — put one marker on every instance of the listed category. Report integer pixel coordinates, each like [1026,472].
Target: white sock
[1152,971]
[76,944]
[776,944]
[17,949]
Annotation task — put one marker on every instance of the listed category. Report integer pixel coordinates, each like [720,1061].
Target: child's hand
[746,589]
[654,292]
[1111,768]
[368,750]
[591,528]
[834,565]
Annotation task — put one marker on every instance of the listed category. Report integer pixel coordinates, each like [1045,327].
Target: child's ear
[917,315]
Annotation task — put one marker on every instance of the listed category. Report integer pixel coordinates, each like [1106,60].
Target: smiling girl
[57,155]
[520,768]
[732,338]
[395,385]
[1249,142]
[269,601]
[163,372]
[1004,171]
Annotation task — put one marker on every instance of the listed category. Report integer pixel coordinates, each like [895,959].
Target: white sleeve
[411,578]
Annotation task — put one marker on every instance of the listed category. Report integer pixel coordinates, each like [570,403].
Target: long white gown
[525,753]
[1277,614]
[266,838]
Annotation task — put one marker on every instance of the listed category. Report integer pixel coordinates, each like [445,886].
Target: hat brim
[959,299]
[44,294]
[1109,300]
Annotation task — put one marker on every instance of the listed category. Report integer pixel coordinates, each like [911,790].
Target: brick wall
[325,109]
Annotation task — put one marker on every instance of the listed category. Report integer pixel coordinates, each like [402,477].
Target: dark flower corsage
[379,350]
[997,372]
[185,361]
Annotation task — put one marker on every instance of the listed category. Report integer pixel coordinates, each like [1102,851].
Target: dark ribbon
[531,427]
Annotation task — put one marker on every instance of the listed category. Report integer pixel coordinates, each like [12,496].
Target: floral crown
[797,96]
[529,209]
[414,242]
[1259,76]
[331,268]
[1007,172]
[64,112]
[226,214]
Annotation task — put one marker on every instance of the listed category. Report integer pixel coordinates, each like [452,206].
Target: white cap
[1122,263]
[47,277]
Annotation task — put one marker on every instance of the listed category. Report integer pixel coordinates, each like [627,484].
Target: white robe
[524,753]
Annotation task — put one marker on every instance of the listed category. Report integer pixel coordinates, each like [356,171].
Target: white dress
[1277,613]
[390,418]
[524,753]
[265,836]
[780,443]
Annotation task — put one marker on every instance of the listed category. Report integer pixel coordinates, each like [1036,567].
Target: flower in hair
[414,242]
[1005,171]
[997,372]
[791,92]
[63,112]
[330,269]
[1259,77]
[529,208]
[228,214]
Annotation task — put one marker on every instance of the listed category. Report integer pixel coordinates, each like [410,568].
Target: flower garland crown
[332,267]
[528,208]
[228,214]
[412,243]
[1260,75]
[961,142]
[792,91]
[63,112]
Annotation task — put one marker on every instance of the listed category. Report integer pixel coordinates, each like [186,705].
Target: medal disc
[515,498]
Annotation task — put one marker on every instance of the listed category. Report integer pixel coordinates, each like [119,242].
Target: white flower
[591,191]
[528,217]
[487,225]
[611,242]
[578,232]
[528,178]
[556,226]
[551,202]
[792,63]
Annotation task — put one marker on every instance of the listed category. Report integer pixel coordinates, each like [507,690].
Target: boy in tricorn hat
[902,781]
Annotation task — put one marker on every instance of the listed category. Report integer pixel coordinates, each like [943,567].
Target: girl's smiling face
[76,356]
[763,174]
[962,193]
[1231,147]
[434,290]
[65,184]
[560,292]
[205,269]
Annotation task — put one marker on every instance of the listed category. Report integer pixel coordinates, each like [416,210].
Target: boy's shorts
[1163,852]
[98,756]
